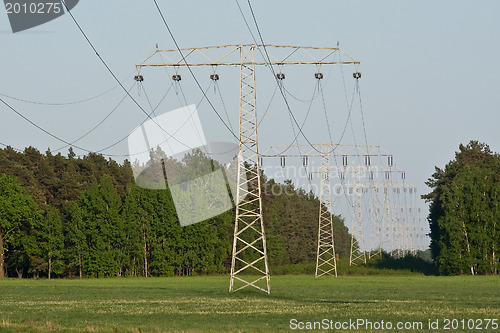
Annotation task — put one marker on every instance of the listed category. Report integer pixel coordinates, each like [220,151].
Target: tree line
[69,216]
[464,212]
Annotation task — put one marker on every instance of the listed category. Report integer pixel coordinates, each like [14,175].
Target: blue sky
[430,72]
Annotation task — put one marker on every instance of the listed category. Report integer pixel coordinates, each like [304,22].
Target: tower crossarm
[392,176]
[249,241]
[386,185]
[318,150]
[229,55]
[372,168]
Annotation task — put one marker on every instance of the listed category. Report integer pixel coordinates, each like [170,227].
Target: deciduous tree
[18,214]
[464,212]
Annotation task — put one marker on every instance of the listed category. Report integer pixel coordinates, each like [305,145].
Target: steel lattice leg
[357,239]
[326,263]
[249,244]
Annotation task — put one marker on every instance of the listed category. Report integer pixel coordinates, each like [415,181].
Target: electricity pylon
[358,189]
[249,243]
[326,263]
[388,225]
[396,227]
[357,232]
[376,225]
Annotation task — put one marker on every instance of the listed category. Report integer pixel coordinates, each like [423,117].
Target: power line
[191,71]
[9,146]
[116,79]
[348,120]
[281,90]
[181,126]
[72,144]
[63,103]
[142,123]
[113,74]
[154,114]
[279,85]
[246,22]
[296,135]
[146,119]
[362,113]
[298,99]
[224,106]
[349,108]
[349,111]
[100,123]
[273,72]
[282,93]
[320,88]
[268,106]
[42,129]
[79,147]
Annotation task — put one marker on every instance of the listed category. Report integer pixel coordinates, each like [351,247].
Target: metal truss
[326,262]
[318,150]
[357,254]
[249,243]
[249,264]
[397,220]
[386,236]
[229,55]
[375,225]
[388,225]
[393,230]
[325,151]
[359,188]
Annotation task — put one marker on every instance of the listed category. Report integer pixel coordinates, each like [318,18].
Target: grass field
[203,304]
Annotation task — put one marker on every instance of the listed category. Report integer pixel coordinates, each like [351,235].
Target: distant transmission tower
[386,229]
[357,233]
[326,263]
[249,264]
[375,224]
[378,226]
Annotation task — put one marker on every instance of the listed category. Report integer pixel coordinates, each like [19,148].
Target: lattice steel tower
[357,233]
[249,244]
[326,263]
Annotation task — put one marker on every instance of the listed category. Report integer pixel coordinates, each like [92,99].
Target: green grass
[200,304]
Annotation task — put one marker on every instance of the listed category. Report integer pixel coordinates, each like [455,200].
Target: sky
[430,75]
